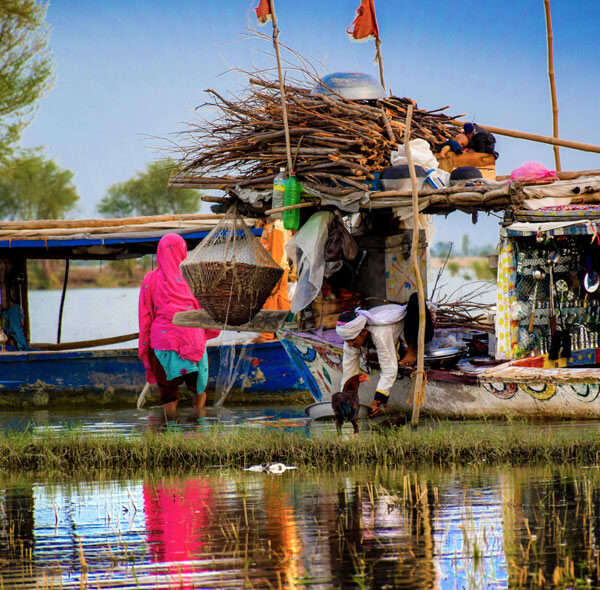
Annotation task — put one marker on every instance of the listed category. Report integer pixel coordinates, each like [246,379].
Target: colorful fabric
[364,26]
[175,366]
[506,327]
[274,238]
[13,322]
[163,293]
[263,12]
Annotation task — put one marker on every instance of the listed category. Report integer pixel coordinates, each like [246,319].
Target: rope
[418,397]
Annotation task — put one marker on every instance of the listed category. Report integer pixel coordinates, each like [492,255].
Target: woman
[171,354]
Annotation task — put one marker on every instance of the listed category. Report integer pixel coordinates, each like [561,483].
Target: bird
[270,468]
[345,403]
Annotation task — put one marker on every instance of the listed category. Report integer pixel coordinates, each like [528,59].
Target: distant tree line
[33,186]
[441,249]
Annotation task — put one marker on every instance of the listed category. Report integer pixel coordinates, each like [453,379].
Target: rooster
[345,403]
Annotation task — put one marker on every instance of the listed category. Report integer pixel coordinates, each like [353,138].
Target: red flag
[263,11]
[364,26]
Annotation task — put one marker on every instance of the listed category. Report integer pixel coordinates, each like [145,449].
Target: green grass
[438,444]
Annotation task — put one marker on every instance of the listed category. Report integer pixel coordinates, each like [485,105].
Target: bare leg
[354,423]
[410,356]
[200,400]
[170,410]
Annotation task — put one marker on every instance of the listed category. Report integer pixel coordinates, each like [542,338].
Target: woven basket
[232,293]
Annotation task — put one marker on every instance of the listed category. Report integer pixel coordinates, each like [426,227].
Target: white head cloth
[382,315]
[351,330]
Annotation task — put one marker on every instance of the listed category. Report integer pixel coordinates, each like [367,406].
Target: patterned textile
[506,327]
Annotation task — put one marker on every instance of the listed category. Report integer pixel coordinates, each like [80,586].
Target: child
[456,145]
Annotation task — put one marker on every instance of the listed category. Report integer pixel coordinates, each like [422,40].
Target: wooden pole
[85,343]
[575,145]
[286,127]
[380,61]
[552,81]
[419,382]
[290,207]
[62,300]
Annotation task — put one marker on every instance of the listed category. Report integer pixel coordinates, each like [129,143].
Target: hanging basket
[230,273]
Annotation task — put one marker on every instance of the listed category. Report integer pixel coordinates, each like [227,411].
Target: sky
[130,74]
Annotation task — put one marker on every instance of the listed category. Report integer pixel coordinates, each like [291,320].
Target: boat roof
[100,239]
[468,196]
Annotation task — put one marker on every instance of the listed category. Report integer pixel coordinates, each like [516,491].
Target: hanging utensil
[551,260]
[539,275]
[562,288]
[591,280]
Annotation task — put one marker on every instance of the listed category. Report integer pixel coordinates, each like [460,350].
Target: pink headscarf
[163,293]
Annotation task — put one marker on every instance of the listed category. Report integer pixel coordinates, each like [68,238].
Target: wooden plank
[86,223]
[84,343]
[266,320]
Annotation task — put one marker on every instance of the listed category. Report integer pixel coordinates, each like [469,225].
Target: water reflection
[438,529]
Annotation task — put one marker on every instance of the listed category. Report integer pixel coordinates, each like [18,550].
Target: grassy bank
[439,444]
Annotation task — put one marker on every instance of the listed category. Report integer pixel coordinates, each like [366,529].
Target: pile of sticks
[337,144]
[467,310]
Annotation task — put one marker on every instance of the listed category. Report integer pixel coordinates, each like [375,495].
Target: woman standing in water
[172,355]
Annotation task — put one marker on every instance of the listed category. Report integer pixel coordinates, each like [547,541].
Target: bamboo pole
[84,343]
[281,89]
[290,207]
[62,301]
[575,145]
[550,37]
[86,223]
[380,61]
[419,374]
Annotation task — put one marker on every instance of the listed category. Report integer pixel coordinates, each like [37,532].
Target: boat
[78,373]
[521,378]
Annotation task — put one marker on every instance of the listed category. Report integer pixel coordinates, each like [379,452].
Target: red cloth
[364,26]
[178,517]
[263,11]
[163,293]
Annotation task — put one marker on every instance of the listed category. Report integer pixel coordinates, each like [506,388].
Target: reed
[438,443]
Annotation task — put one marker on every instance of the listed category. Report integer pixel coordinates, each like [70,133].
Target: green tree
[147,194]
[26,66]
[33,187]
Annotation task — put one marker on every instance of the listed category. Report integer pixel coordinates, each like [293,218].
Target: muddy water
[472,528]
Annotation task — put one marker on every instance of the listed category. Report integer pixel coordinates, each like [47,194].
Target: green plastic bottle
[293,191]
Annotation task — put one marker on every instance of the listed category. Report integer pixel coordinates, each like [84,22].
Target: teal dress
[175,366]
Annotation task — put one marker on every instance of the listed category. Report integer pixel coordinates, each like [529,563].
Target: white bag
[421,155]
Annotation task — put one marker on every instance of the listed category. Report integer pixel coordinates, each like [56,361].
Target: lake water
[103,313]
[367,528]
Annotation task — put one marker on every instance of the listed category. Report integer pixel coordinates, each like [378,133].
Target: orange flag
[364,26]
[263,11]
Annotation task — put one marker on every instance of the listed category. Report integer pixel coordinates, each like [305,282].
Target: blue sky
[128,72]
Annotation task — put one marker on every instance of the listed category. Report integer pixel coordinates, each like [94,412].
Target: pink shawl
[163,293]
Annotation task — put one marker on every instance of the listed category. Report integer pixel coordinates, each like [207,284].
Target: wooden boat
[465,391]
[62,373]
[521,380]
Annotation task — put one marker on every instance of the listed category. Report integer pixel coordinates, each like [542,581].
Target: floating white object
[270,468]
[141,400]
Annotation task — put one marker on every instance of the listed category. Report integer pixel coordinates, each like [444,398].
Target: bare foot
[200,400]
[409,358]
[375,409]
[170,410]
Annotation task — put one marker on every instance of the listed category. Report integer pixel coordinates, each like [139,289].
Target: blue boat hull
[113,377]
